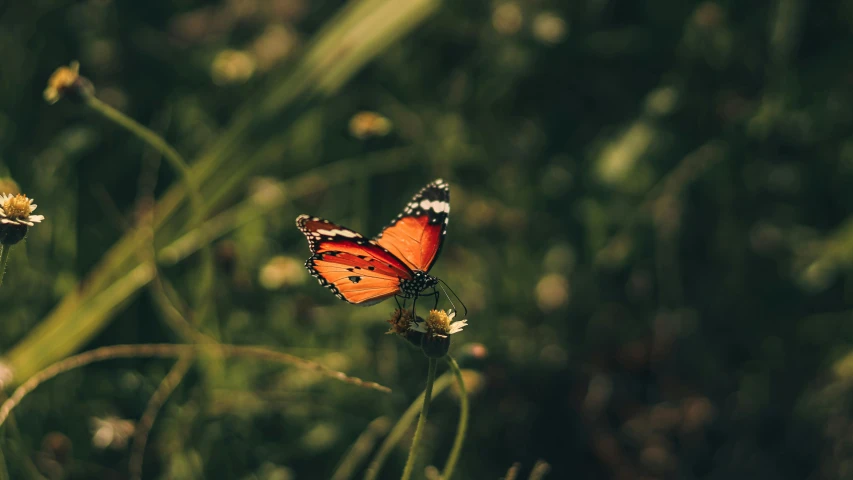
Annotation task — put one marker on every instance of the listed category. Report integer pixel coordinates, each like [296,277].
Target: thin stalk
[169,350]
[400,428]
[12,442]
[146,423]
[463,420]
[180,166]
[419,431]
[4,258]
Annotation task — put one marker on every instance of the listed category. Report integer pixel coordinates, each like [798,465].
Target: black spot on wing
[310,265]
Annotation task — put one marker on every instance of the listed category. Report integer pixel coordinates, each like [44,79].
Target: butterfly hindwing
[416,235]
[354,268]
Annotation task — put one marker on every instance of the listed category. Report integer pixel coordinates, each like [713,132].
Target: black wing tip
[301,220]
[437,184]
[438,189]
[437,192]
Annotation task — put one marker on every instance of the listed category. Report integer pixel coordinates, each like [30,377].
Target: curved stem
[419,431]
[146,423]
[400,428]
[463,421]
[180,166]
[4,258]
[168,350]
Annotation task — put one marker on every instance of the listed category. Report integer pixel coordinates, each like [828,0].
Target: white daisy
[440,324]
[17,210]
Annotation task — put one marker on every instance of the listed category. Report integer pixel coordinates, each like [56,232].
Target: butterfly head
[419,282]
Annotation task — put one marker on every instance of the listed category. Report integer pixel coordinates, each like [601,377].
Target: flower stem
[4,258]
[419,431]
[406,419]
[463,421]
[180,166]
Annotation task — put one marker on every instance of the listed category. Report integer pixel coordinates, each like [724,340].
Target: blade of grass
[179,165]
[146,423]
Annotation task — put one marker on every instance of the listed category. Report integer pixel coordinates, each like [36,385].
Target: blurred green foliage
[651,228]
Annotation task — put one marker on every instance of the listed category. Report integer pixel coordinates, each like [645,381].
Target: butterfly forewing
[349,282]
[416,235]
[356,269]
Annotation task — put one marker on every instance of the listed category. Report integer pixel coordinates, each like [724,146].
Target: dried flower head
[16,217]
[401,324]
[65,81]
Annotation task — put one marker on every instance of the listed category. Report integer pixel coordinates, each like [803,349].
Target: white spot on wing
[437,206]
[343,233]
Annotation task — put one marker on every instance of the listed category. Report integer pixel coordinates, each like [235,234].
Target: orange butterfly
[366,271]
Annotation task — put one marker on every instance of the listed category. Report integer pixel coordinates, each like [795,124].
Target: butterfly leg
[435,294]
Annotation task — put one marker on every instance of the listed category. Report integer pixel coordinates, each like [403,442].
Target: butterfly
[395,263]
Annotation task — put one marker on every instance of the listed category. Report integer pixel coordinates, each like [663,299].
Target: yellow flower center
[17,207]
[438,322]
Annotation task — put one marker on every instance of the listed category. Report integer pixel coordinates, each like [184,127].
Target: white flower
[17,210]
[440,324]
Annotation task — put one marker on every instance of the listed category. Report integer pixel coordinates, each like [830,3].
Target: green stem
[400,428]
[463,420]
[419,431]
[177,162]
[4,258]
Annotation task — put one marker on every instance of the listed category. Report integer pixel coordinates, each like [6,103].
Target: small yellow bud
[67,80]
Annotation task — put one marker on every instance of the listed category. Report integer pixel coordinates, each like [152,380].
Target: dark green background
[650,227]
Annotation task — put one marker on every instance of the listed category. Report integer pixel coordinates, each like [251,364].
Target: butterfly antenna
[454,294]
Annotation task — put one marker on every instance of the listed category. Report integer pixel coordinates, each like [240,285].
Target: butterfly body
[420,281]
[366,271]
